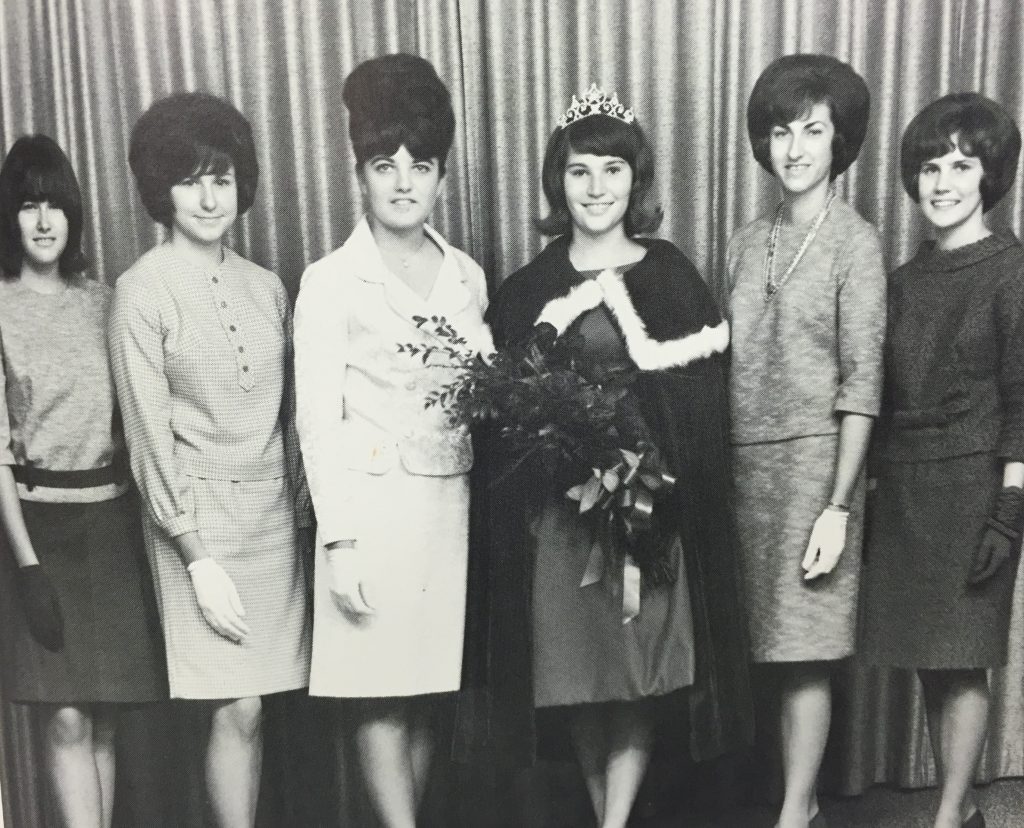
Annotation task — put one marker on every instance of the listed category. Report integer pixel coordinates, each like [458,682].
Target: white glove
[218,599]
[828,537]
[348,572]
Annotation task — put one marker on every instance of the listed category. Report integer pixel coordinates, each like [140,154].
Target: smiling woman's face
[205,207]
[801,151]
[400,191]
[949,190]
[44,233]
[597,190]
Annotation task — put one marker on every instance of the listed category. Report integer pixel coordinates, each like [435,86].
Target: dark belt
[30,476]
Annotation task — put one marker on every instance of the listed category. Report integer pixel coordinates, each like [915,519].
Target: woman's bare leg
[962,696]
[806,713]
[71,766]
[234,759]
[630,738]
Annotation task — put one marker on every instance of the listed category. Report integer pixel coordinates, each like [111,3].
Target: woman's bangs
[209,160]
[603,135]
[48,184]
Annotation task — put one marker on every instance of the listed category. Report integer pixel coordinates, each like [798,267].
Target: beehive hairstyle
[398,100]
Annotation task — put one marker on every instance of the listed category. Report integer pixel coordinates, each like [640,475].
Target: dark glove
[42,611]
[1001,538]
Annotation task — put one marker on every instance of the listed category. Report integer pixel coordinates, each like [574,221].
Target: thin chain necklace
[771,286]
[404,259]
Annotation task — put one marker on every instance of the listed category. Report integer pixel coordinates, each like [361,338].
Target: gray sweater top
[59,409]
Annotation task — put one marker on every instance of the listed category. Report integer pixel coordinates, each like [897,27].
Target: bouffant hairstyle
[187,134]
[979,127]
[790,86]
[36,169]
[398,100]
[600,135]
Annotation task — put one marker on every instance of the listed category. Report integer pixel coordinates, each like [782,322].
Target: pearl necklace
[771,286]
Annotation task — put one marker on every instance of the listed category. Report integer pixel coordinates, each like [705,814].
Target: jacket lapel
[448,297]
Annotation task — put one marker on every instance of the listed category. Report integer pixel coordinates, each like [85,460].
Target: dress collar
[930,257]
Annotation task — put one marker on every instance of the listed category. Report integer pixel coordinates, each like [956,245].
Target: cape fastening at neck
[648,354]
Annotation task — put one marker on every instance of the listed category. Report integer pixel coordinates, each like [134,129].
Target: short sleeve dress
[952,415]
[202,361]
[61,434]
[800,360]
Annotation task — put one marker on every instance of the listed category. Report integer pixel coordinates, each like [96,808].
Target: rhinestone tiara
[595,102]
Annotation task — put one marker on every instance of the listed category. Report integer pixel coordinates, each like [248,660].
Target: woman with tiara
[78,624]
[949,508]
[807,307]
[635,304]
[389,478]
[200,343]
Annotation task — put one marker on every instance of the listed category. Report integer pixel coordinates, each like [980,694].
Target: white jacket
[360,407]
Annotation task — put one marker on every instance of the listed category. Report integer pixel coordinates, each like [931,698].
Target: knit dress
[801,359]
[953,414]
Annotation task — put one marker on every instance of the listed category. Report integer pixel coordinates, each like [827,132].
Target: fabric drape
[83,70]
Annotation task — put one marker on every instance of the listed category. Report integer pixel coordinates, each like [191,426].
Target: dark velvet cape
[685,405]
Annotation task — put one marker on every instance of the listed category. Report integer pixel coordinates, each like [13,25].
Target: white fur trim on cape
[648,354]
[564,310]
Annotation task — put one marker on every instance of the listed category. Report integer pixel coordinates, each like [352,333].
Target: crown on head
[595,102]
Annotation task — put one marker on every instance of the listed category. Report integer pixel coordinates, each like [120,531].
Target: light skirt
[414,528]
[781,489]
[249,529]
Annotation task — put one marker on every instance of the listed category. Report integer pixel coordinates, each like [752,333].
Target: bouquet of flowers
[582,431]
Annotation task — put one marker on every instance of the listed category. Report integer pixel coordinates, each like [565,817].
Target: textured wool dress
[800,360]
[202,364]
[58,415]
[952,415]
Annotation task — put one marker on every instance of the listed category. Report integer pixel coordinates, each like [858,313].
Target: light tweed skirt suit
[383,470]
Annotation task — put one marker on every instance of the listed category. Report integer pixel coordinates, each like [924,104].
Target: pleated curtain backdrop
[83,70]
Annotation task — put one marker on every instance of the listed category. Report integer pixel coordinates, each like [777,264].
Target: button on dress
[202,364]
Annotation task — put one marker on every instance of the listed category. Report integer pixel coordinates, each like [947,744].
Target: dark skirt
[113,651]
[917,609]
[582,652]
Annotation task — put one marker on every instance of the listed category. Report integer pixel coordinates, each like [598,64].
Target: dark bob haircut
[981,128]
[787,90]
[398,100]
[600,135]
[186,134]
[36,169]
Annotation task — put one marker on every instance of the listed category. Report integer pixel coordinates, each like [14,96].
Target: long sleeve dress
[60,433]
[952,415]
[202,361]
[384,470]
[801,359]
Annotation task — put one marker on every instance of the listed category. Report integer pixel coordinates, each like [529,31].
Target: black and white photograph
[511,414]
